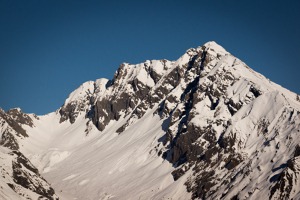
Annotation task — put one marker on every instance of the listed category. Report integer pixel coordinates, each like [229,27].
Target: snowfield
[102,165]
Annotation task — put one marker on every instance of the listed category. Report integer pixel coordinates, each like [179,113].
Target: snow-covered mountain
[205,126]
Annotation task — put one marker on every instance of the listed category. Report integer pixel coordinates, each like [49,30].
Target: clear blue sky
[49,47]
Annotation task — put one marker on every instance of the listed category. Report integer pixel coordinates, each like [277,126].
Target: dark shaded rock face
[286,181]
[9,141]
[11,128]
[78,102]
[20,117]
[68,113]
[297,151]
[13,123]
[27,176]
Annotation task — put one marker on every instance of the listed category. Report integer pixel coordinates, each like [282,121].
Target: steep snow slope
[104,165]
[205,126]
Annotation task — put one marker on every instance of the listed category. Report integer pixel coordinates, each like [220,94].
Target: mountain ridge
[201,127]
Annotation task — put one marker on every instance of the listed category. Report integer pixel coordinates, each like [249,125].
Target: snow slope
[102,165]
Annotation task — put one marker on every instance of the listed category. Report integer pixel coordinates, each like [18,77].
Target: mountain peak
[213,46]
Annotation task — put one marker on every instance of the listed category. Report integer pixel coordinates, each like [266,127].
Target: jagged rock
[20,117]
[286,181]
[13,124]
[28,180]
[9,141]
[297,151]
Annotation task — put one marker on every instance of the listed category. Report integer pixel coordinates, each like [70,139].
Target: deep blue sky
[48,48]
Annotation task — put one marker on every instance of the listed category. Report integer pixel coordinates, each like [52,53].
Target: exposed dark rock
[232,163]
[297,151]
[12,186]
[178,173]
[107,110]
[68,112]
[21,159]
[262,126]
[255,91]
[13,124]
[101,108]
[121,72]
[232,106]
[204,184]
[140,90]
[9,141]
[235,197]
[155,76]
[20,117]
[204,60]
[284,185]
[31,181]
[297,98]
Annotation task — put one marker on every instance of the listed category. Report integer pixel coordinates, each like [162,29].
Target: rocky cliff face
[228,132]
